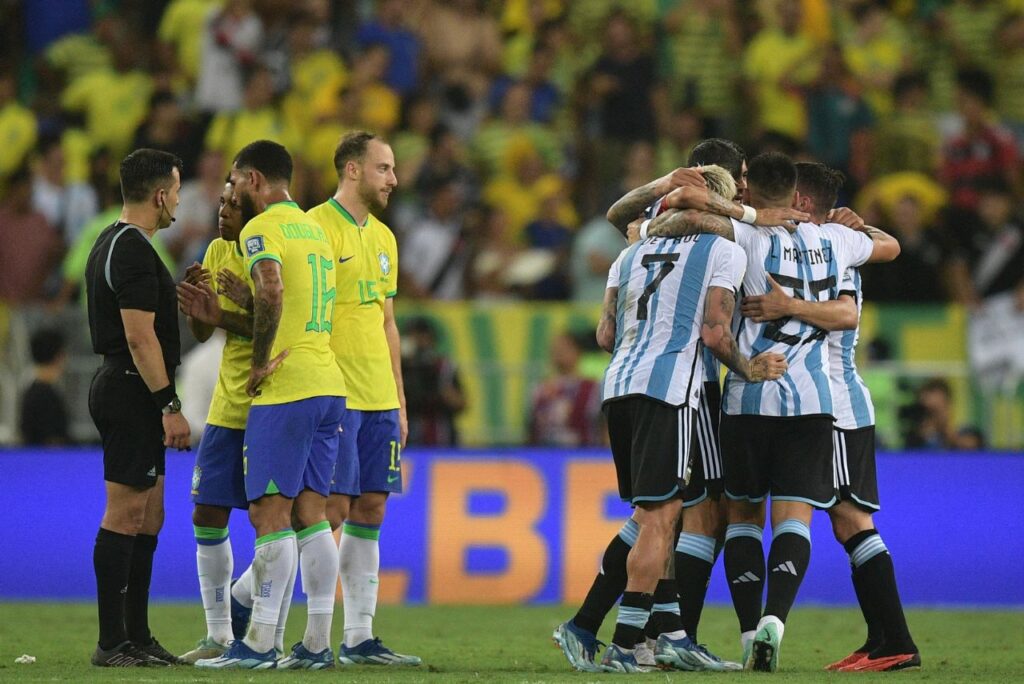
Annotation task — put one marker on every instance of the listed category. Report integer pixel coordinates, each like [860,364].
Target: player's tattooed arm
[885,248]
[677,223]
[630,205]
[267,306]
[716,334]
[606,326]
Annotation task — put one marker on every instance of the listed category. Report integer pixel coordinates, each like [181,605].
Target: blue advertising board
[528,526]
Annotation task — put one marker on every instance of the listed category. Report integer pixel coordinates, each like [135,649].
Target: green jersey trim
[344,212]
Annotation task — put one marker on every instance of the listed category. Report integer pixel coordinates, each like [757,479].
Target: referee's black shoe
[158,652]
[125,654]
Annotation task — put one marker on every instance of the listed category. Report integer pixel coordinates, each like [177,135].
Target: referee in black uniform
[134,325]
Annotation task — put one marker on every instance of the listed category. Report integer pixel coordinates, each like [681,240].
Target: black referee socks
[136,600]
[112,560]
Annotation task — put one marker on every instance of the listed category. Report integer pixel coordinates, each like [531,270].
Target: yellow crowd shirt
[366,257]
[285,234]
[229,407]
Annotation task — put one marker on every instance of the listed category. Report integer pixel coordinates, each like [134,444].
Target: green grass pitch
[512,644]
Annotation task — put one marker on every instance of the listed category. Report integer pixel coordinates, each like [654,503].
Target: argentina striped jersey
[850,396]
[662,284]
[807,264]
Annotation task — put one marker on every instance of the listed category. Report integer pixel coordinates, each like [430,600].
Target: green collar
[287,203]
[344,212]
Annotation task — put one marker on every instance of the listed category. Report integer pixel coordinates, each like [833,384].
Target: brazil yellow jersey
[229,407]
[366,259]
[287,235]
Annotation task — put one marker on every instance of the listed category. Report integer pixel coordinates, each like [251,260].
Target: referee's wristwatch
[173,406]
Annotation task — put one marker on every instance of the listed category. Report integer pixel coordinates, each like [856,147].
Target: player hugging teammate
[793,409]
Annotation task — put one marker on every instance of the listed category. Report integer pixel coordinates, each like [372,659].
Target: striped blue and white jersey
[712,367]
[662,284]
[850,396]
[808,264]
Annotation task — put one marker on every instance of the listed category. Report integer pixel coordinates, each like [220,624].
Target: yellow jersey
[229,407]
[287,235]
[366,258]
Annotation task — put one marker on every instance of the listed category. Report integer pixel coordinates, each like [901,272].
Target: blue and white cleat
[241,657]
[302,659]
[239,615]
[373,652]
[684,654]
[621,660]
[727,665]
[578,646]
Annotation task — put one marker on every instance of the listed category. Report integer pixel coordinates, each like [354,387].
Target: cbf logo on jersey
[385,263]
[254,245]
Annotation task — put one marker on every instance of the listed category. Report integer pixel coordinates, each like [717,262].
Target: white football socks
[242,589]
[318,558]
[214,564]
[273,571]
[359,554]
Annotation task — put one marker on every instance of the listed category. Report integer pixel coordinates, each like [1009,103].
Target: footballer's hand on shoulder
[847,217]
[781,216]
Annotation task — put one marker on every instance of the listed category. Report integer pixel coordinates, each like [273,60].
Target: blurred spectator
[412,142]
[987,256]
[622,86]
[387,28]
[313,70]
[461,43]
[701,48]
[113,100]
[379,105]
[18,127]
[446,161]
[199,202]
[66,205]
[491,145]
[32,245]
[875,53]
[544,95]
[597,245]
[928,422]
[520,191]
[566,408]
[197,380]
[970,27]
[44,416]
[522,24]
[181,35]
[685,129]
[918,275]
[778,63]
[259,119]
[550,237]
[440,248]
[984,150]
[493,255]
[166,128]
[1010,75]
[639,170]
[839,120]
[231,41]
[907,139]
[434,396]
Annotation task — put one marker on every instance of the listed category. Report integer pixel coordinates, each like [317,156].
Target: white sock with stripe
[359,553]
[318,559]
[214,564]
[273,570]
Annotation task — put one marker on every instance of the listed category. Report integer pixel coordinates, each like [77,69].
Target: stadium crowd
[515,125]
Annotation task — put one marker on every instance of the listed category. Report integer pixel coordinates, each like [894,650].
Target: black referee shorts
[787,458]
[853,458]
[130,426]
[706,475]
[650,443]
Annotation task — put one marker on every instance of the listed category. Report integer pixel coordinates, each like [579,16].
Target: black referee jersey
[125,272]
